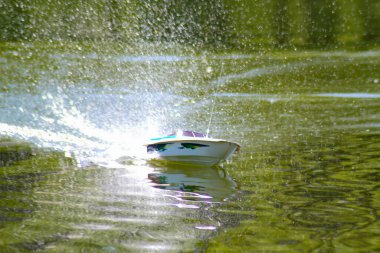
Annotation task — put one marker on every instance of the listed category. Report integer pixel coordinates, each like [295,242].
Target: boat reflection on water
[209,184]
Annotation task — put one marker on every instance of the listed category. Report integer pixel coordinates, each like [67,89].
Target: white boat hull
[194,151]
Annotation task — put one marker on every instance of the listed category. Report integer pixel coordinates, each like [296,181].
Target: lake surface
[73,173]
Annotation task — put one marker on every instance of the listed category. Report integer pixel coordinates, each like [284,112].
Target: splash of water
[55,120]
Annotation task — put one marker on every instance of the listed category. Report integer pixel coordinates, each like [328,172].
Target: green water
[73,177]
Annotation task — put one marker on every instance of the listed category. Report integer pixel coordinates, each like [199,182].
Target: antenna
[210,120]
[213,107]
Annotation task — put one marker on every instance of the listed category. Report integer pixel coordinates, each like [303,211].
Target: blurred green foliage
[247,24]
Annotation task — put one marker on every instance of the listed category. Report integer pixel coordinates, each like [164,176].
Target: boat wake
[54,122]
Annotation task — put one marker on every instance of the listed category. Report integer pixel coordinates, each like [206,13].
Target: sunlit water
[306,178]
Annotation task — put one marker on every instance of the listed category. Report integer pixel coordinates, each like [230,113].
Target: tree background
[242,24]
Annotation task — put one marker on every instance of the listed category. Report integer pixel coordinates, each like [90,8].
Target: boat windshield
[188,134]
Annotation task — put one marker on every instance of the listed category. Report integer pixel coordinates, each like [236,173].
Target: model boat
[188,147]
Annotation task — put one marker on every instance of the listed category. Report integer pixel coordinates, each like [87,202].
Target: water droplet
[206,227]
